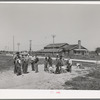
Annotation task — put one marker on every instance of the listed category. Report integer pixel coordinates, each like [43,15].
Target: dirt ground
[40,80]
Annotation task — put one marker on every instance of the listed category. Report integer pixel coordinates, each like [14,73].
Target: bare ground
[40,80]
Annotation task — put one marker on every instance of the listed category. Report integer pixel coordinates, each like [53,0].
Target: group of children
[58,66]
[21,63]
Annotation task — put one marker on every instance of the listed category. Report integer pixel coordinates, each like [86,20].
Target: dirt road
[41,80]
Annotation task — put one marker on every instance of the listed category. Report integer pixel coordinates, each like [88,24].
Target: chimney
[79,44]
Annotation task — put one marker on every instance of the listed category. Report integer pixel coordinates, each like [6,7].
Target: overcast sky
[37,22]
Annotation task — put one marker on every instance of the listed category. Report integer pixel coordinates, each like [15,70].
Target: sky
[38,22]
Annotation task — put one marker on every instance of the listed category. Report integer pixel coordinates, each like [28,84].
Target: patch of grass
[95,73]
[90,82]
[84,84]
[6,62]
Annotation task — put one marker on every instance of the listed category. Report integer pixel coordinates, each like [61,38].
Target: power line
[13,45]
[30,48]
[53,36]
[18,44]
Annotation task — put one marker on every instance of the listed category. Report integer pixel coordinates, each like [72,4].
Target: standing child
[15,67]
[58,65]
[23,63]
[45,64]
[49,62]
[69,65]
[32,63]
[18,65]
[36,64]
[26,64]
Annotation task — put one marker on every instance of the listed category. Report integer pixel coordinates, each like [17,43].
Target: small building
[75,49]
[64,48]
[52,49]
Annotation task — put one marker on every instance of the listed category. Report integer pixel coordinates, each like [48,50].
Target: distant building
[64,48]
[52,48]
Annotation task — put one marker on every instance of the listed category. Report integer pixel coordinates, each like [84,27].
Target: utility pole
[30,47]
[53,36]
[18,44]
[13,46]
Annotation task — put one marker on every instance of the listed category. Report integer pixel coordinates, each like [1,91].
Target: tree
[97,50]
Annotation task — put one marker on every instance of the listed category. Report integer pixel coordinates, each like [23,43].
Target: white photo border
[49,94]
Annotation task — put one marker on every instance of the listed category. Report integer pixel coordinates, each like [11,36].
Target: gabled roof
[56,45]
[49,50]
[73,46]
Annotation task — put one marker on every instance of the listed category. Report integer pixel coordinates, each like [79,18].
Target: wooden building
[64,48]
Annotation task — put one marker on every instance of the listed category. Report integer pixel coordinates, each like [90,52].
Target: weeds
[90,82]
[6,62]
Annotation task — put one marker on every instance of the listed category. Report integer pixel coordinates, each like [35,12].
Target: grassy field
[89,82]
[6,62]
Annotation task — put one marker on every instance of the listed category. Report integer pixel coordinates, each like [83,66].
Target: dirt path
[41,80]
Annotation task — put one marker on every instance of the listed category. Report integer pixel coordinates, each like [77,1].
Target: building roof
[56,45]
[73,46]
[49,50]
[60,47]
